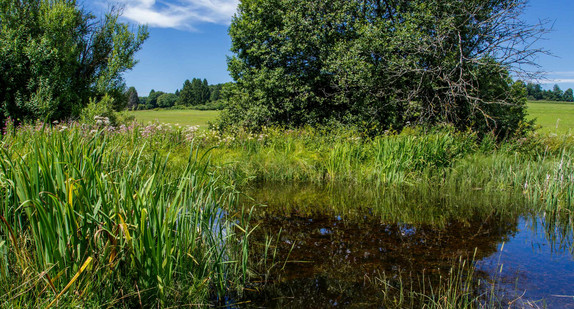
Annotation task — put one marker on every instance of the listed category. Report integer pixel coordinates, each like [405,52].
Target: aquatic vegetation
[86,223]
[99,215]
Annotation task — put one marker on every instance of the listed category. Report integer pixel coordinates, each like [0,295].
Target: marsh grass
[148,214]
[454,163]
[459,288]
[86,223]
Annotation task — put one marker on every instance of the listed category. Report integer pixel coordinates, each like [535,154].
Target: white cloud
[557,80]
[180,14]
[564,77]
[568,73]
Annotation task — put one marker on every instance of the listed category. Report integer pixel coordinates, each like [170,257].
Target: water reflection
[535,265]
[335,246]
[334,262]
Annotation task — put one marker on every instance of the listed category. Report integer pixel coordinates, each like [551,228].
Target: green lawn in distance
[182,117]
[554,117]
[549,115]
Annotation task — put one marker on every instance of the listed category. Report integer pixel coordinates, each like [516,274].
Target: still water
[332,247]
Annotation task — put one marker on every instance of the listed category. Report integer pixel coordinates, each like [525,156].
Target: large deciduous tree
[380,64]
[55,56]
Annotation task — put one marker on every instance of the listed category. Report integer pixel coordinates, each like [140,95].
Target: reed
[91,223]
[149,215]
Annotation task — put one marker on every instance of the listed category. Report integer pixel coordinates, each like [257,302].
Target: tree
[205,91]
[557,93]
[379,64]
[133,99]
[539,93]
[152,98]
[568,95]
[143,103]
[534,91]
[166,100]
[215,92]
[196,92]
[55,56]
[186,94]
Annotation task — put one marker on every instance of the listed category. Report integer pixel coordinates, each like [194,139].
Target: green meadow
[552,117]
[173,117]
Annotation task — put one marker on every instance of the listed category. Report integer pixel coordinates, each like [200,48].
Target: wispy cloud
[179,14]
[564,77]
[557,80]
[567,73]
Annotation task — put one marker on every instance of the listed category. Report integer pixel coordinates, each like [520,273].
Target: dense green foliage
[54,57]
[150,101]
[166,100]
[376,64]
[535,92]
[195,92]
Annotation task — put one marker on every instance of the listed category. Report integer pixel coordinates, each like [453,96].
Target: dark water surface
[333,247]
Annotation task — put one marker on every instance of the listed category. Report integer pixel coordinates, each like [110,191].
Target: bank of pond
[153,216]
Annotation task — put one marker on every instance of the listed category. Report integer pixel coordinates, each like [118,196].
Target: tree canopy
[379,64]
[55,57]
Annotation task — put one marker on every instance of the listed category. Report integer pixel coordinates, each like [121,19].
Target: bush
[103,108]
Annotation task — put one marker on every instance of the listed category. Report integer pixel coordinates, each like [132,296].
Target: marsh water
[326,246]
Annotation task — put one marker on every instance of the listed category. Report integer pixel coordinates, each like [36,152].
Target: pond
[329,246]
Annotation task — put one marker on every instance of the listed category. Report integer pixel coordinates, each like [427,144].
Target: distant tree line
[196,93]
[535,92]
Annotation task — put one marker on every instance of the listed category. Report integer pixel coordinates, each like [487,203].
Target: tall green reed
[139,230]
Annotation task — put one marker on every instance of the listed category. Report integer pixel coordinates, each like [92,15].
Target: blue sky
[188,38]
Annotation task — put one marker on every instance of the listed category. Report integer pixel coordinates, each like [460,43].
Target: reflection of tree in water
[558,229]
[335,261]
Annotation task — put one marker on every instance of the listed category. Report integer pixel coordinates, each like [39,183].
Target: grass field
[182,117]
[553,117]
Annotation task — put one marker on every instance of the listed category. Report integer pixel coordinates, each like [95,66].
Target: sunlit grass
[553,117]
[173,117]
